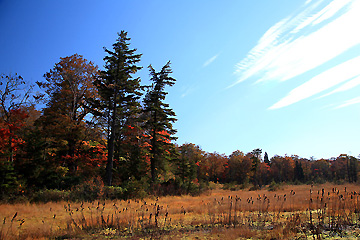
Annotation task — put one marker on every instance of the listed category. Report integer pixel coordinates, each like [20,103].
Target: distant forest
[101,134]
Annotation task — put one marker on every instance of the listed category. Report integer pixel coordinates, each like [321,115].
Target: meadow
[324,211]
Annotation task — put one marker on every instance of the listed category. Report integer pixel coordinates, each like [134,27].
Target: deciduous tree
[68,86]
[239,167]
[14,97]
[187,165]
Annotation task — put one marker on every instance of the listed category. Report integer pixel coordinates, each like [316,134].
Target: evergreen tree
[266,158]
[119,93]
[256,155]
[159,119]
[353,168]
[298,171]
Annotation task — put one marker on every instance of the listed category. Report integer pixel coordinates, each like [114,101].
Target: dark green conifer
[119,94]
[159,119]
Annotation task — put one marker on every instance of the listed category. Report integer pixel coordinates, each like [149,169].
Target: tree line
[101,130]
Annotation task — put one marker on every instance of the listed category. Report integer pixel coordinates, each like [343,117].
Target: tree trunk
[111,144]
[153,151]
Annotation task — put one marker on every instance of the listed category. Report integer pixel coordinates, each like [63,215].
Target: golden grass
[218,214]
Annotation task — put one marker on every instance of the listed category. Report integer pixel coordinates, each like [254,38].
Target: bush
[339,181]
[275,186]
[209,185]
[9,183]
[297,182]
[111,192]
[193,188]
[231,186]
[254,188]
[88,191]
[319,180]
[50,195]
[135,188]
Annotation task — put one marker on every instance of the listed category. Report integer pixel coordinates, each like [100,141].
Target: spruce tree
[298,171]
[119,94]
[266,158]
[160,119]
[256,155]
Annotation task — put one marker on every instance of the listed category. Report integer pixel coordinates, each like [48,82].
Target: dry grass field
[324,211]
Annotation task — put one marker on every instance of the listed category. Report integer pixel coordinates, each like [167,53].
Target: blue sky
[278,75]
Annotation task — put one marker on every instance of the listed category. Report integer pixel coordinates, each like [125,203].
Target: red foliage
[89,157]
[9,131]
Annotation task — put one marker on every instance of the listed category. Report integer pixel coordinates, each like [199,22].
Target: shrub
[111,192]
[9,183]
[254,188]
[319,180]
[275,186]
[231,186]
[88,191]
[134,188]
[50,195]
[211,185]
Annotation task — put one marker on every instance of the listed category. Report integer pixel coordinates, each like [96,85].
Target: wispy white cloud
[344,87]
[321,82]
[210,60]
[302,42]
[349,102]
[324,14]
[187,91]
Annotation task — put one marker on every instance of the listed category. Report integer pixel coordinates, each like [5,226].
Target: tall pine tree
[119,94]
[160,119]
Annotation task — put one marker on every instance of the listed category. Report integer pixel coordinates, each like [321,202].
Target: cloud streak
[302,42]
[344,87]
[210,60]
[349,102]
[323,81]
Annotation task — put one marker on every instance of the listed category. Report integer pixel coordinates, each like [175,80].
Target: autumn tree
[214,167]
[239,167]
[187,165]
[339,168]
[119,94]
[68,87]
[14,96]
[306,167]
[353,167]
[344,167]
[159,119]
[14,99]
[282,168]
[320,170]
[132,156]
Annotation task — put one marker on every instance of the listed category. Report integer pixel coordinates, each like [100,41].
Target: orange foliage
[89,157]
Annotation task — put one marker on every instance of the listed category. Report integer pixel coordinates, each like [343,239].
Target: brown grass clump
[291,212]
